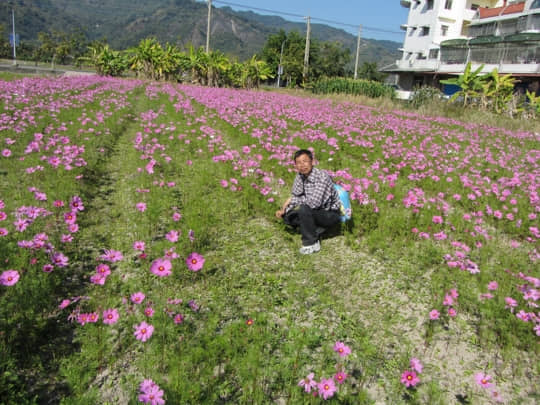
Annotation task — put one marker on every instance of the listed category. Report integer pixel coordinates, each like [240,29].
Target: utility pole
[14,38]
[357,52]
[306,53]
[208,26]
[280,67]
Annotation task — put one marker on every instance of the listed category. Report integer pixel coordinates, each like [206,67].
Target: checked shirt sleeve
[317,191]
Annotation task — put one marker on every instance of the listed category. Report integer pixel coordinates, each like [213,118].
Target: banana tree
[147,59]
[217,67]
[497,90]
[254,71]
[198,64]
[106,61]
[470,83]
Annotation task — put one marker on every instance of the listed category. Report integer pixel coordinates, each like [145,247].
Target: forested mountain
[123,23]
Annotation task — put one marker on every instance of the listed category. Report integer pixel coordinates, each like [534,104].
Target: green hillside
[123,23]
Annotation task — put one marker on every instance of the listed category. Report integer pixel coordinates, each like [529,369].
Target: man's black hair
[301,152]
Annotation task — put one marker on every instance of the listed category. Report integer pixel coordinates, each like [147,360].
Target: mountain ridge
[123,23]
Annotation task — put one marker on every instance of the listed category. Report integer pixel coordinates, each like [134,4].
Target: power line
[313,18]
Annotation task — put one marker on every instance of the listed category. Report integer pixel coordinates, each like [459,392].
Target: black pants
[308,220]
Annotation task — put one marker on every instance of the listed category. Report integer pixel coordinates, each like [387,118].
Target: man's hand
[281,212]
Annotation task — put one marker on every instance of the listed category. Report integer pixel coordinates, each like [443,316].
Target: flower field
[141,261]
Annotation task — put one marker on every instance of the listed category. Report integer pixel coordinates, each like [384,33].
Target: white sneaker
[307,250]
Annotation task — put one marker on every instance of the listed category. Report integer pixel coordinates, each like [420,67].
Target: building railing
[507,53]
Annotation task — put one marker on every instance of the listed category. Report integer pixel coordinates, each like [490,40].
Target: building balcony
[469,15]
[404,27]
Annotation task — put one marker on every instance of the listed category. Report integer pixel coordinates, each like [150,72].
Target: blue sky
[374,16]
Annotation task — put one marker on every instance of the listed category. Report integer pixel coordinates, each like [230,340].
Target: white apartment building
[442,36]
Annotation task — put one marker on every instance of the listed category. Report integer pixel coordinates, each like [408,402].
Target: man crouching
[314,204]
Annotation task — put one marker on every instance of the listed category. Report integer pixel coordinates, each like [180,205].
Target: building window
[444,30]
[424,31]
[448,5]
[412,31]
[535,4]
[474,7]
[433,54]
[420,55]
[429,4]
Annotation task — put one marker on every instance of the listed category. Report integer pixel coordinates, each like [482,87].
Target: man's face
[303,164]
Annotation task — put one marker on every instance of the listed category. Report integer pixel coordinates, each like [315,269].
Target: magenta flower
[409,378]
[76,204]
[141,206]
[308,383]
[9,277]
[483,380]
[3,232]
[111,255]
[149,311]
[143,331]
[110,316]
[195,261]
[139,245]
[340,377]
[434,314]
[137,297]
[416,365]
[327,388]
[64,304]
[151,393]
[492,285]
[452,312]
[93,317]
[70,217]
[59,259]
[103,269]
[172,236]
[176,216]
[179,318]
[342,349]
[161,267]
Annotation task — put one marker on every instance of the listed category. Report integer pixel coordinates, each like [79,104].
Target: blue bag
[345,209]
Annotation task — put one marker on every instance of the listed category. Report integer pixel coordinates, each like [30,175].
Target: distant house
[442,36]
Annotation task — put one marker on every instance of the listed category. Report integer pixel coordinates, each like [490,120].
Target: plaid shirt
[316,190]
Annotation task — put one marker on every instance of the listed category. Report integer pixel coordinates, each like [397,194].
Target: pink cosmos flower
[195,261]
[59,259]
[437,219]
[76,203]
[93,317]
[492,285]
[483,380]
[434,314]
[9,277]
[64,304]
[327,388]
[143,331]
[153,396]
[98,279]
[3,232]
[110,316]
[340,377]
[112,255]
[224,183]
[139,245]
[103,269]
[416,365]
[141,206]
[6,152]
[161,267]
[342,349]
[149,311]
[409,378]
[70,217]
[137,297]
[452,312]
[179,318]
[176,216]
[308,383]
[172,236]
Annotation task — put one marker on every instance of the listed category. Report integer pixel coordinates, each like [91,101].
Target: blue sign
[17,39]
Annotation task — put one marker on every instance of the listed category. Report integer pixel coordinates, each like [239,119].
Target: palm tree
[147,59]
[254,71]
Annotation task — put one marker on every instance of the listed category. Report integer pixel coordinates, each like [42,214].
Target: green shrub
[354,87]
